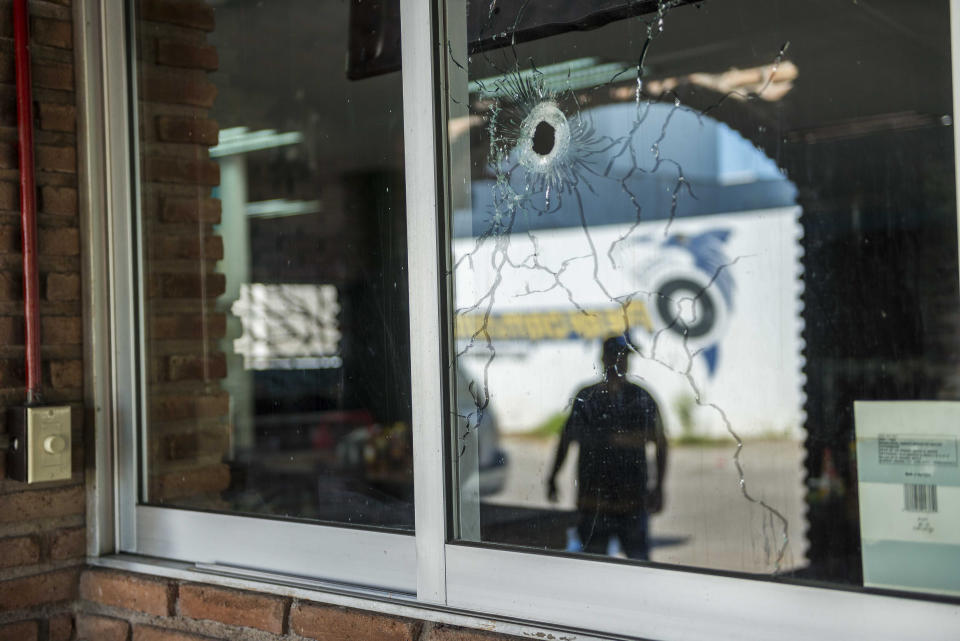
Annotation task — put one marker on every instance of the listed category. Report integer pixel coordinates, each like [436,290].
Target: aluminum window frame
[545,592]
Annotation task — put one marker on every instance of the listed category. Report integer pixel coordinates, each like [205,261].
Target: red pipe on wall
[28,199]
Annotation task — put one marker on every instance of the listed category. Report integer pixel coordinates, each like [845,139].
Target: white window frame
[426,574]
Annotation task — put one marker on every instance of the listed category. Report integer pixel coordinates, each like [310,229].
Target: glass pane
[694,246]
[274,255]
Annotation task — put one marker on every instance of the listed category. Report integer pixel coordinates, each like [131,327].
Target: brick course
[174,53]
[233,607]
[189,285]
[91,627]
[189,480]
[53,33]
[61,330]
[9,194]
[182,407]
[19,631]
[189,130]
[56,158]
[176,88]
[187,13]
[66,374]
[50,75]
[187,246]
[55,117]
[8,156]
[188,326]
[21,507]
[68,544]
[195,443]
[58,200]
[151,633]
[9,288]
[204,612]
[191,210]
[152,596]
[62,287]
[11,371]
[21,550]
[60,628]
[38,589]
[191,367]
[59,242]
[326,623]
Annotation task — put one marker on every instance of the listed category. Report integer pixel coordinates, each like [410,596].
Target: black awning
[375,26]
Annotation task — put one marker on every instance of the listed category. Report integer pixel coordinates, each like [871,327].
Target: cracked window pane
[278,376]
[685,239]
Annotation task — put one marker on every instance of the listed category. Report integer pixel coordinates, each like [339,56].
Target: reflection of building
[704,272]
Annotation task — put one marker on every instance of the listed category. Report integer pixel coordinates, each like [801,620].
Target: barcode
[919,498]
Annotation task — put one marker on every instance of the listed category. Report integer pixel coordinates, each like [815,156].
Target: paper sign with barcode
[909,493]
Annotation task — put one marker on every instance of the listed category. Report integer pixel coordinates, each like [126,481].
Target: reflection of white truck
[727,282]
[708,284]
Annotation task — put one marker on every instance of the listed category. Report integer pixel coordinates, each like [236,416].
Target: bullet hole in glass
[544,137]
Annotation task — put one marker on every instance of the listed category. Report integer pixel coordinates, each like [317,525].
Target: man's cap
[615,346]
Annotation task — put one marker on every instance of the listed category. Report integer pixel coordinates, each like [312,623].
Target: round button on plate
[54,444]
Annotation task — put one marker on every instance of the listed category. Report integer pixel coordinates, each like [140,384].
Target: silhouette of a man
[613,421]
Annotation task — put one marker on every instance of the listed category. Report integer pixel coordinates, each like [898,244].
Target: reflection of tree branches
[753,95]
[278,327]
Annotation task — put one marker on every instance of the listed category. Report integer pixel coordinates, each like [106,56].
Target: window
[271,359]
[675,208]
[642,312]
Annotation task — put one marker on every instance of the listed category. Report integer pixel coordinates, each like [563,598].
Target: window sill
[342,595]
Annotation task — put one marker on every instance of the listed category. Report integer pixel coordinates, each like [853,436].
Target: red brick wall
[42,534]
[118,606]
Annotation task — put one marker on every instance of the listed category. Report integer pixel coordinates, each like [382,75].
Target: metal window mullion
[422,202]
[128,17]
[121,267]
[465,451]
[93,167]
